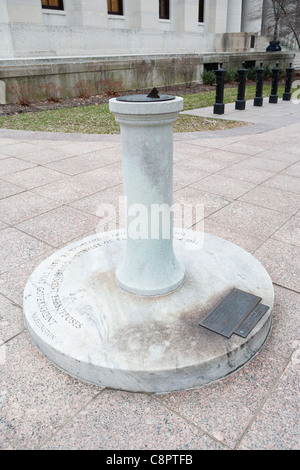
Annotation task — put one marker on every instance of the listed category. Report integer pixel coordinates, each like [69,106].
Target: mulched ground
[45,105]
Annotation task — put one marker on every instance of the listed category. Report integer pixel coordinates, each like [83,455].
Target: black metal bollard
[240,102]
[288,83]
[219,106]
[260,73]
[274,91]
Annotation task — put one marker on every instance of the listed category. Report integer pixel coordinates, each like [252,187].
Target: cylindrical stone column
[149,267]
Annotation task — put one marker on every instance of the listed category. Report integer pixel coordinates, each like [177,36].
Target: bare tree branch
[291,17]
[281,19]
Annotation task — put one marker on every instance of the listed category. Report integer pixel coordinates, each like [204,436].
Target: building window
[53,4]
[201,11]
[164,9]
[115,7]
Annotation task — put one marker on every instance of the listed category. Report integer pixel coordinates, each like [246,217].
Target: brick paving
[51,186]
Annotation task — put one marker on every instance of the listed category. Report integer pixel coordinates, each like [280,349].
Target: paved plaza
[52,189]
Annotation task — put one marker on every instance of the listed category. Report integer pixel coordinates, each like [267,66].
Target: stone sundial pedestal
[129,309]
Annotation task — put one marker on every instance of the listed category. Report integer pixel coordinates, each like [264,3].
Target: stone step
[296,61]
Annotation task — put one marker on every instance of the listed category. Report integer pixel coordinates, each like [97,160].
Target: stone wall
[69,77]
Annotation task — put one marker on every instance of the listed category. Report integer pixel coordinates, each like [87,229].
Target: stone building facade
[137,43]
[43,28]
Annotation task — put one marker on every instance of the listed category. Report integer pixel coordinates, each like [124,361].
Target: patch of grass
[97,119]
[186,123]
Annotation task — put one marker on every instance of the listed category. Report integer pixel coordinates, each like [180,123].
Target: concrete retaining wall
[42,78]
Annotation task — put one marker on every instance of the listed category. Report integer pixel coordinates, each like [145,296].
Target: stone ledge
[131,71]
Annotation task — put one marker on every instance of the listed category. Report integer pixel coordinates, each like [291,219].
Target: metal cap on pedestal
[150,98]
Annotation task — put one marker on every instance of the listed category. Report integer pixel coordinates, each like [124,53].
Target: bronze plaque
[251,320]
[230,313]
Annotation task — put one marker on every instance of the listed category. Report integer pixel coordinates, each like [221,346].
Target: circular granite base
[89,327]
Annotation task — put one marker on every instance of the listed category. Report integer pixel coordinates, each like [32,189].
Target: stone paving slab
[269,114]
[247,180]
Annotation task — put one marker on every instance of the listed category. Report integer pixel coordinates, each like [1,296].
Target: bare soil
[45,105]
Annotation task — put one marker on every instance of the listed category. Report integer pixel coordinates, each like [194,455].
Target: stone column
[150,266]
[234,16]
[221,8]
[251,19]
[2,92]
[3,12]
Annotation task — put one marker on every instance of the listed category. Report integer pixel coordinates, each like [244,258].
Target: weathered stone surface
[88,326]
[2,92]
[149,266]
